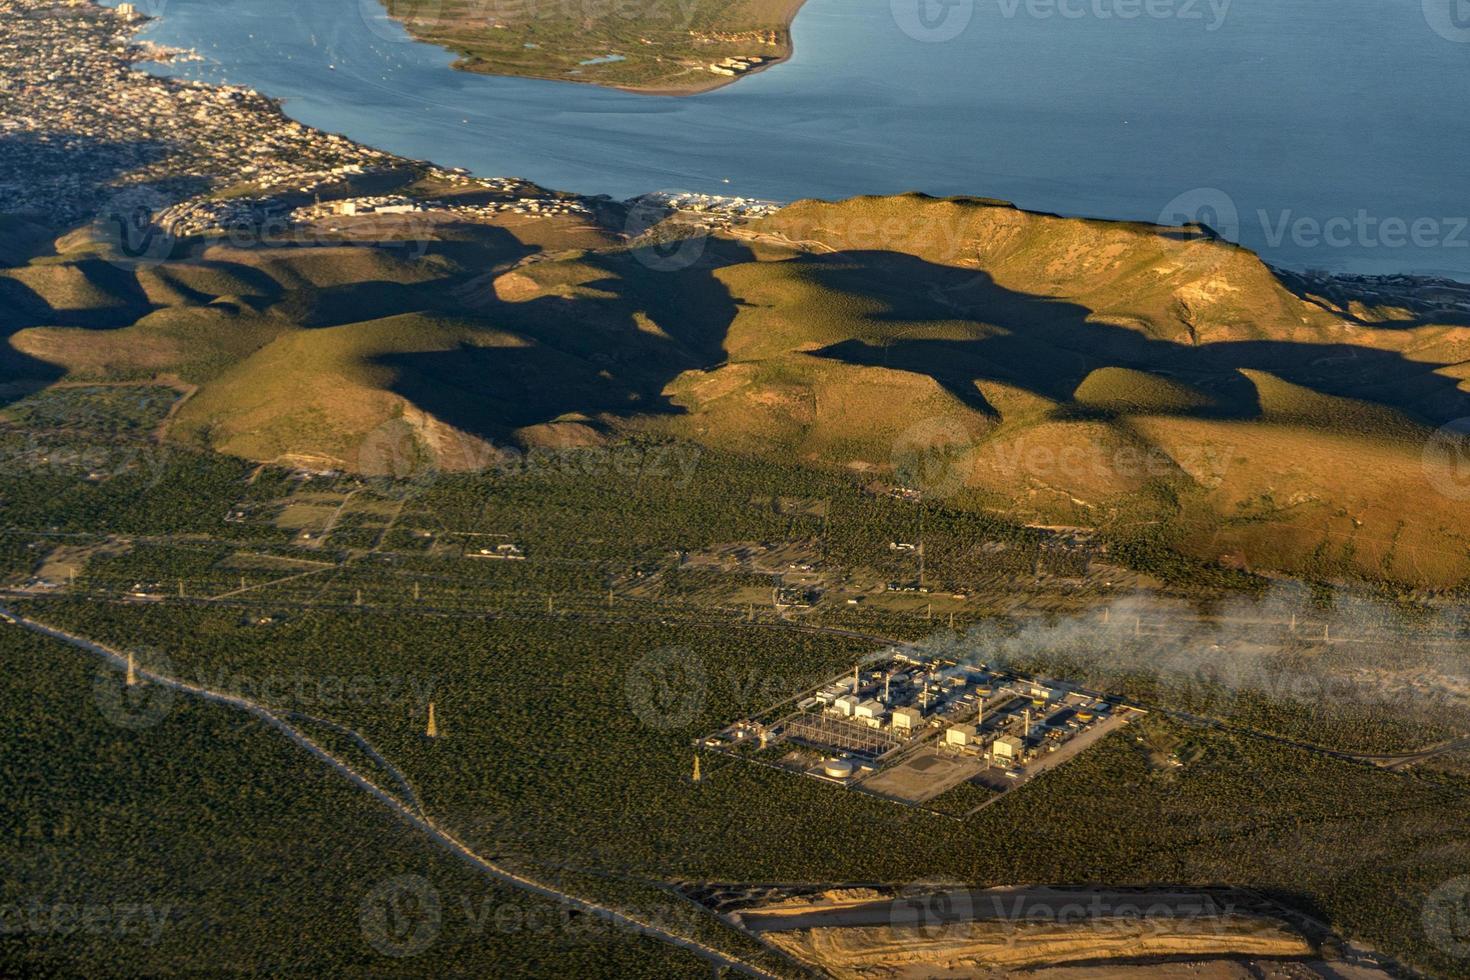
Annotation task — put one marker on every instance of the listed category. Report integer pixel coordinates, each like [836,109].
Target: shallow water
[1324,133]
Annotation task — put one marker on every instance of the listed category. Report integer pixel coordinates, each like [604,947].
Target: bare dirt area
[1216,969]
[968,948]
[1003,932]
[66,561]
[924,776]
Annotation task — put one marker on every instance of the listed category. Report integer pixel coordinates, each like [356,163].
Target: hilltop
[1153,381]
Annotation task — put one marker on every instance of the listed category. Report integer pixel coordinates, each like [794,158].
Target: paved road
[409,811]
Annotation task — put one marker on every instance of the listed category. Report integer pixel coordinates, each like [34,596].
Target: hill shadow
[612,352]
[1049,346]
[1415,301]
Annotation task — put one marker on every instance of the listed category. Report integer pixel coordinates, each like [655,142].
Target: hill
[1149,381]
[670,47]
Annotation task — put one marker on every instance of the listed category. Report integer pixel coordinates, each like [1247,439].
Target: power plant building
[907,718]
[1007,747]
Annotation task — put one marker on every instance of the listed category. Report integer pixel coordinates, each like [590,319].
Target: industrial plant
[910,727]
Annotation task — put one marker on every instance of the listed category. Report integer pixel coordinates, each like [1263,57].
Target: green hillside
[1071,371]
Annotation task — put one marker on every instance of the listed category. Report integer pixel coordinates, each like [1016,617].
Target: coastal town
[81,124]
[91,134]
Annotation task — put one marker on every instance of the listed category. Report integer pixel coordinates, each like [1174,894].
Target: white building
[1007,747]
[907,718]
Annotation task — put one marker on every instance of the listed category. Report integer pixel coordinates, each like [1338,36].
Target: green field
[210,843]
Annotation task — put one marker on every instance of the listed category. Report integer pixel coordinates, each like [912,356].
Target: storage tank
[837,768]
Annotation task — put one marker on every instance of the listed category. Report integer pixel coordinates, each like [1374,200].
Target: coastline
[716,82]
[708,81]
[314,151]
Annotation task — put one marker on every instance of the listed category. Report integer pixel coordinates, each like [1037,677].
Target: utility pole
[132,678]
[432,731]
[357,601]
[921,549]
[416,593]
[181,588]
[696,776]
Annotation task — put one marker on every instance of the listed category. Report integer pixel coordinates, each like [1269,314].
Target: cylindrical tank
[837,768]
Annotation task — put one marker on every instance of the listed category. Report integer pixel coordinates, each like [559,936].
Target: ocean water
[1323,133]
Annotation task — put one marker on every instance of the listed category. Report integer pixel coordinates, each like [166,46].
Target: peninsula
[658,47]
